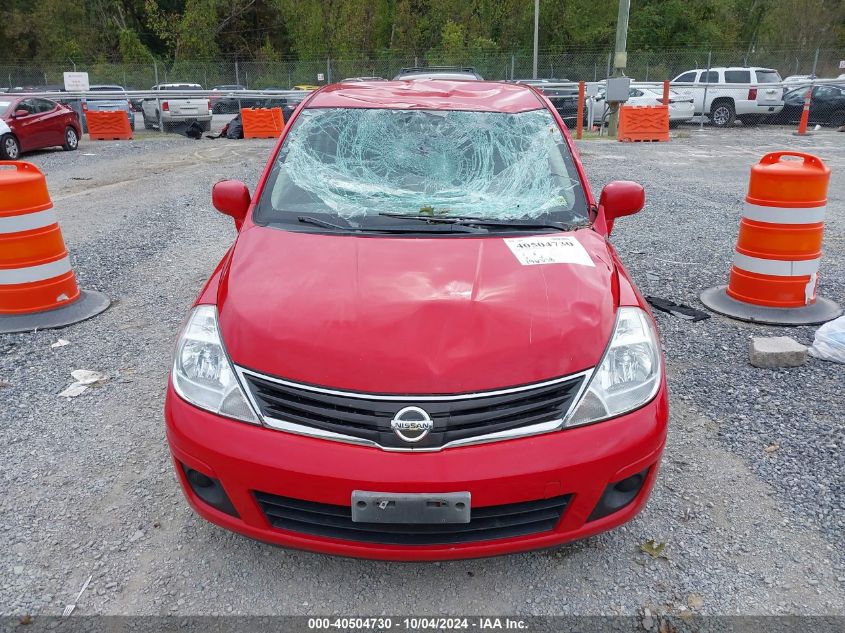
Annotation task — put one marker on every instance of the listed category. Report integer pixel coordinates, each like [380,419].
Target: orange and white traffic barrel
[38,288]
[775,272]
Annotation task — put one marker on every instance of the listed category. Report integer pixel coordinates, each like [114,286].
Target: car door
[707,81]
[52,121]
[826,101]
[635,97]
[684,85]
[28,128]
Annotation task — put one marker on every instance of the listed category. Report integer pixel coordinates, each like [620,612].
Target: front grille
[368,416]
[486,524]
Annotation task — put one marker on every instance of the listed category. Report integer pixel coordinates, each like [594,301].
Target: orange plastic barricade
[262,122]
[108,125]
[643,123]
[37,285]
[775,269]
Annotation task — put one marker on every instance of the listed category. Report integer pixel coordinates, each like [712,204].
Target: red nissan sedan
[422,344]
[30,123]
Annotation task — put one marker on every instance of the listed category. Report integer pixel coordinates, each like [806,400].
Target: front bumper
[580,462]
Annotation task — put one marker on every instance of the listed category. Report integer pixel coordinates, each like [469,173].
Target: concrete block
[776,351]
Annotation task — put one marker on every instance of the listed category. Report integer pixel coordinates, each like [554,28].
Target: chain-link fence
[799,68]
[588,65]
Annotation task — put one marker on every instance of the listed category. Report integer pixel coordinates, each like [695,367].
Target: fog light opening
[198,480]
[618,494]
[634,482]
[209,490]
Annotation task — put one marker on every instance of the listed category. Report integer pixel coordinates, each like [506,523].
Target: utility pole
[620,59]
[536,36]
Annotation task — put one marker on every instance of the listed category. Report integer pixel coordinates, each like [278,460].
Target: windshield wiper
[455,228]
[468,220]
[307,219]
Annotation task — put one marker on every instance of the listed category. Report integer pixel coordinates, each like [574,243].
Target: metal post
[706,85]
[815,63]
[512,65]
[158,109]
[328,70]
[620,59]
[237,74]
[536,36]
[607,76]
[579,124]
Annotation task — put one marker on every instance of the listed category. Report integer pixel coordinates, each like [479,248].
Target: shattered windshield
[356,163]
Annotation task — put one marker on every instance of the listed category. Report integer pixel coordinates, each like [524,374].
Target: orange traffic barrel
[38,288]
[775,271]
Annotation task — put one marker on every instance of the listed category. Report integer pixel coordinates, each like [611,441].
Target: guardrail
[158,94]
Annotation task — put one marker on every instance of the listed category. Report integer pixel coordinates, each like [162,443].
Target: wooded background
[141,31]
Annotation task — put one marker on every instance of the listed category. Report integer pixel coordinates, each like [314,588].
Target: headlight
[202,373]
[629,374]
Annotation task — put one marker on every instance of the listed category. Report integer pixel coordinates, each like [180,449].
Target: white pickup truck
[176,109]
[740,92]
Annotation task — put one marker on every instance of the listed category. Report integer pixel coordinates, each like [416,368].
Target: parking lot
[749,502]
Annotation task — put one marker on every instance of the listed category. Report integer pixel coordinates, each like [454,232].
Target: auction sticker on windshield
[548,250]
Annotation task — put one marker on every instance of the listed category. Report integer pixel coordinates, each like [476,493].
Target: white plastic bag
[829,343]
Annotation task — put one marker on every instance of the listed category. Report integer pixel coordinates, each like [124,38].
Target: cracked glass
[355,163]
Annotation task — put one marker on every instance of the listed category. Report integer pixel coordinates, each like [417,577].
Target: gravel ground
[87,486]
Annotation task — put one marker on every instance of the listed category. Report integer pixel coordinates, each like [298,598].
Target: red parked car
[30,123]
[421,344]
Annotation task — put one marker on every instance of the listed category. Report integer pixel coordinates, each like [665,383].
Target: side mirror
[232,198]
[620,198]
[21,113]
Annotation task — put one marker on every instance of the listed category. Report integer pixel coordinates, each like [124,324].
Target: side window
[687,77]
[711,77]
[826,92]
[43,105]
[737,77]
[27,105]
[635,93]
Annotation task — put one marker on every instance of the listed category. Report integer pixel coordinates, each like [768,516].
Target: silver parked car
[95,103]
[182,108]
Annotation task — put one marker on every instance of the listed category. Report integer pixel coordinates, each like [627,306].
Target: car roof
[429,94]
[763,68]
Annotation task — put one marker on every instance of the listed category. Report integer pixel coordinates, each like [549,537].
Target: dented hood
[414,315]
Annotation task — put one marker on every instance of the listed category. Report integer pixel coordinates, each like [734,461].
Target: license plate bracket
[400,507]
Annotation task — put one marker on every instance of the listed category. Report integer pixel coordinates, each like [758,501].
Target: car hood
[412,315]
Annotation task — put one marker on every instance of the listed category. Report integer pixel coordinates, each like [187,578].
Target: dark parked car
[36,123]
[226,102]
[827,105]
[563,98]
